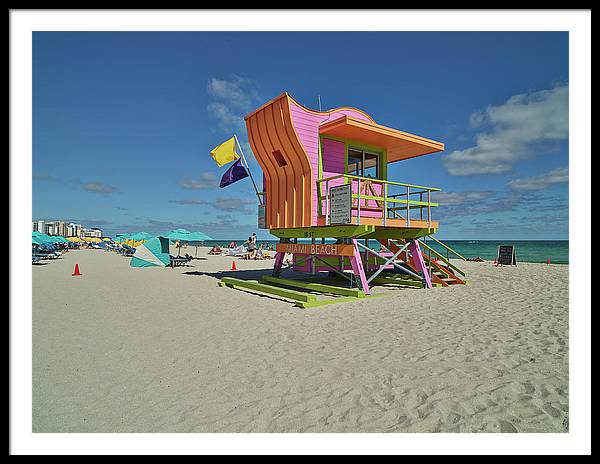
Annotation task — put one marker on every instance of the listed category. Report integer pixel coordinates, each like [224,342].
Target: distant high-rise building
[38,226]
[64,229]
[74,230]
[57,228]
[91,232]
[49,228]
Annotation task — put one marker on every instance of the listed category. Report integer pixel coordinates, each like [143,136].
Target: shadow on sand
[249,274]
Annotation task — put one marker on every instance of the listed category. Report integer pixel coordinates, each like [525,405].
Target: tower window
[279,158]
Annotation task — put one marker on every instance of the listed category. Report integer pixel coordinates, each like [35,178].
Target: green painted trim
[319,177]
[337,231]
[401,184]
[384,280]
[361,146]
[395,200]
[443,258]
[402,282]
[456,253]
[337,300]
[269,289]
[353,231]
[346,180]
[313,286]
[399,232]
[381,152]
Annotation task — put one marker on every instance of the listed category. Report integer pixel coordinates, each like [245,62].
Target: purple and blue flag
[236,172]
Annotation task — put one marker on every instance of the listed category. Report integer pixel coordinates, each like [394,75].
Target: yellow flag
[225,153]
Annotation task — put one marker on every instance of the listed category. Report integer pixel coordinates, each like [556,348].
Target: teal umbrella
[197,238]
[140,236]
[43,238]
[155,252]
[122,237]
[37,240]
[178,234]
[181,235]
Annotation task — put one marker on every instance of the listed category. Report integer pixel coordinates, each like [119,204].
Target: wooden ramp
[304,294]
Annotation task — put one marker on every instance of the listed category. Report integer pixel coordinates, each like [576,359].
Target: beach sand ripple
[167,350]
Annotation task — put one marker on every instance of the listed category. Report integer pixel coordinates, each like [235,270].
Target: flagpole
[248,168]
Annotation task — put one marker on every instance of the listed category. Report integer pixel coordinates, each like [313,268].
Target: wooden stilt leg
[415,251]
[278,263]
[358,268]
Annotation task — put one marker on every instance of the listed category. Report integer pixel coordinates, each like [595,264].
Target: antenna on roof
[319,97]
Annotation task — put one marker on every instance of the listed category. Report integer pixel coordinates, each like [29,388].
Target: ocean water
[530,251]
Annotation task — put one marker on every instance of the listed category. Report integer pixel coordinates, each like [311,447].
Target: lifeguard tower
[325,179]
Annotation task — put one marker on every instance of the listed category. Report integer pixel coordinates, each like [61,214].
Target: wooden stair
[441,275]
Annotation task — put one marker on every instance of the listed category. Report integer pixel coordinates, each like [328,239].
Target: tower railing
[380,198]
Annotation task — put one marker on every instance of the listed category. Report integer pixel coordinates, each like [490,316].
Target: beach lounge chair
[180,261]
[237,251]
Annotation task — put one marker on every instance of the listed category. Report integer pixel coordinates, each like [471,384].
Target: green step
[270,289]
[394,280]
[314,286]
[329,301]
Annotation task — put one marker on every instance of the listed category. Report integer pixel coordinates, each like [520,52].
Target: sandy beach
[121,349]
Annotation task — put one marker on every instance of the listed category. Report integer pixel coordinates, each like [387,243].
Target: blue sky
[123,122]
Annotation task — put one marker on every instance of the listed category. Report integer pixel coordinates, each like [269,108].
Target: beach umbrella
[36,240]
[92,239]
[138,238]
[42,238]
[141,236]
[197,238]
[178,235]
[121,238]
[154,252]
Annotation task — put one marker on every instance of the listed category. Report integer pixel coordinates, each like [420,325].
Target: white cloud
[231,99]
[207,180]
[99,187]
[510,131]
[556,176]
[460,198]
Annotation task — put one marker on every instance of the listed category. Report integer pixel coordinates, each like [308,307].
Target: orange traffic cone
[233,266]
[76,271]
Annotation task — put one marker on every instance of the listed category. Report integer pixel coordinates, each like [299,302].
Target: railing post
[327,215]
[428,208]
[385,202]
[358,198]
[407,206]
[421,206]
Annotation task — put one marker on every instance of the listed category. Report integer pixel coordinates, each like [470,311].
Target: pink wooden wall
[306,123]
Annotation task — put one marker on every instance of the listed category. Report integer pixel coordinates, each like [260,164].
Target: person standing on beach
[252,246]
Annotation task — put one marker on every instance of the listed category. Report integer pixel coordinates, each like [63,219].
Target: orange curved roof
[289,187]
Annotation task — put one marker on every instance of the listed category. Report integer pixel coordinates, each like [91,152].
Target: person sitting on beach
[216,250]
[232,245]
